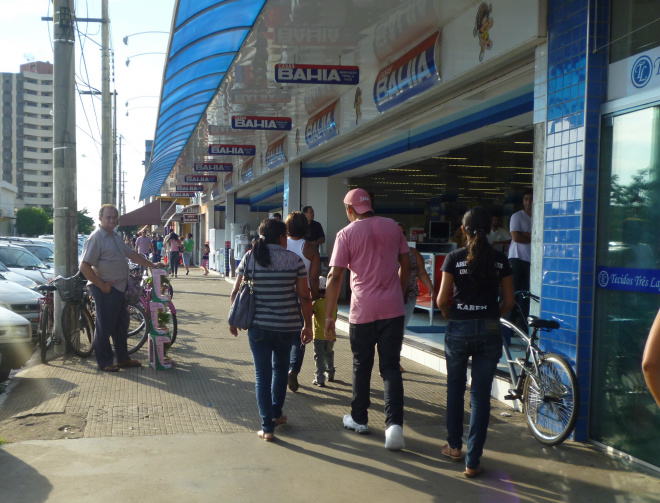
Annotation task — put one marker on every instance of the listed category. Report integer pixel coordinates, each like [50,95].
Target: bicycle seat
[46,288]
[536,322]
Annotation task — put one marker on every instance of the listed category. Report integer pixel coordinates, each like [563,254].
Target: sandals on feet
[268,437]
[279,421]
[110,368]
[452,453]
[470,473]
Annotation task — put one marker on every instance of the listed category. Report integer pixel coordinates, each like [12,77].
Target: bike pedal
[512,395]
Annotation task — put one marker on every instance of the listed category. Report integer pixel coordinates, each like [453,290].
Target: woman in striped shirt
[280,281]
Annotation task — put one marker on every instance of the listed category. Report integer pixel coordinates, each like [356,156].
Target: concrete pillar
[291,195]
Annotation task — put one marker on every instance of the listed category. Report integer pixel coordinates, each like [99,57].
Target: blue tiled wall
[577,82]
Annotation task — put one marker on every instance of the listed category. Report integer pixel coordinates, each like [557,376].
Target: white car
[17,259]
[24,281]
[21,301]
[16,345]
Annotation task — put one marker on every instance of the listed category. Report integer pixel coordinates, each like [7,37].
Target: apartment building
[26,129]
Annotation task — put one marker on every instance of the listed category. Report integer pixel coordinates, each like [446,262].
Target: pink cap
[360,201]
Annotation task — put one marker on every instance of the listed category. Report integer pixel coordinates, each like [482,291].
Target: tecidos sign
[636,74]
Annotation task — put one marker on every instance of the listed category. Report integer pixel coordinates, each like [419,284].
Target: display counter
[434,256]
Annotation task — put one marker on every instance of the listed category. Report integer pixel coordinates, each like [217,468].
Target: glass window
[634,28]
[623,413]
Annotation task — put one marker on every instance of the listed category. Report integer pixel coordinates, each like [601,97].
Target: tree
[31,221]
[85,222]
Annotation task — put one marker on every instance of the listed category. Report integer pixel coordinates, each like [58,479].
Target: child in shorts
[205,259]
[324,350]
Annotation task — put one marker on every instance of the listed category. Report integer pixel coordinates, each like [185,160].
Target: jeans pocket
[255,334]
[455,347]
[492,347]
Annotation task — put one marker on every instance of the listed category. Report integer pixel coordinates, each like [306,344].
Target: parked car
[43,251]
[17,259]
[24,281]
[21,301]
[16,345]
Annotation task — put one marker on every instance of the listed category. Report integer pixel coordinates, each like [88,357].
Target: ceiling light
[515,152]
[452,158]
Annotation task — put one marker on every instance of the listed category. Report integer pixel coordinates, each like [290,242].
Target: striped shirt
[276,301]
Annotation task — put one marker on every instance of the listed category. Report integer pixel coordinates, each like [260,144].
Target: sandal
[110,368]
[268,437]
[279,421]
[470,473]
[451,453]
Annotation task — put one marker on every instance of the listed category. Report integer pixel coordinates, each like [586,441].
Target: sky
[25,37]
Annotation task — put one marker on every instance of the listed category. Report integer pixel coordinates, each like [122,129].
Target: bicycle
[77,321]
[46,324]
[547,386]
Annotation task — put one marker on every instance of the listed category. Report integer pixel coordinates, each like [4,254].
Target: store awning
[146,215]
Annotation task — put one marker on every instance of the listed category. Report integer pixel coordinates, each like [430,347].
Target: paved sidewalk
[188,434]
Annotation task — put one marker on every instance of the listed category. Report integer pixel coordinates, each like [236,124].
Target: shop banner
[268,123]
[276,154]
[316,36]
[247,170]
[213,167]
[412,74]
[192,210]
[229,182]
[200,178]
[321,127]
[628,280]
[182,194]
[633,75]
[190,219]
[246,150]
[317,74]
[189,188]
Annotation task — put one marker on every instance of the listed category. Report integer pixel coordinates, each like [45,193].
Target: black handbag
[242,309]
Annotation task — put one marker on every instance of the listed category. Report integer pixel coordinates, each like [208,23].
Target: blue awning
[206,37]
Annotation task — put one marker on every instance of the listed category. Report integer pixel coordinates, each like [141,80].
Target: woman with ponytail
[477,273]
[280,280]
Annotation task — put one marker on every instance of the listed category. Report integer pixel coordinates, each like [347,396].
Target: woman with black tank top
[476,273]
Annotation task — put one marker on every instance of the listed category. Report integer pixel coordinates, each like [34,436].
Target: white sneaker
[394,438]
[349,424]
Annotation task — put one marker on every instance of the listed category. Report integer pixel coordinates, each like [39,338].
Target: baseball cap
[360,201]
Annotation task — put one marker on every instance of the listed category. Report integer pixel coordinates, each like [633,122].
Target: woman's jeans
[174,262]
[270,352]
[481,340]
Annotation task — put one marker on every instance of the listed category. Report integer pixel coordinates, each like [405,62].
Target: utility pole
[121,186]
[106,112]
[115,190]
[65,198]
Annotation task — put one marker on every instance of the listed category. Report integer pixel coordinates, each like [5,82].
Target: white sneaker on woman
[394,438]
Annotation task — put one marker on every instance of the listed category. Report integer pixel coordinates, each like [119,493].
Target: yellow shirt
[318,308]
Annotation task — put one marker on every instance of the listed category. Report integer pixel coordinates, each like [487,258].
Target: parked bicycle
[546,384]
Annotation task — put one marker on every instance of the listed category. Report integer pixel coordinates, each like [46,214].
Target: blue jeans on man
[481,340]
[111,322]
[270,352]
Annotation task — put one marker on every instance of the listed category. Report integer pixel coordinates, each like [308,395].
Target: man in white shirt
[520,250]
[498,236]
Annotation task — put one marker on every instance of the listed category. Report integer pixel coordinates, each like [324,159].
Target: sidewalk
[189,434]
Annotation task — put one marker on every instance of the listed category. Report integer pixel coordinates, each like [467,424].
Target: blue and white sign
[410,75]
[267,123]
[189,188]
[317,74]
[247,150]
[247,171]
[628,280]
[229,182]
[182,194]
[321,127]
[276,154]
[213,167]
[200,178]
[636,74]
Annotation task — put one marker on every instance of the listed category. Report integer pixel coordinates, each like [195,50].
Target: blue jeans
[270,352]
[387,336]
[297,355]
[481,340]
[111,321]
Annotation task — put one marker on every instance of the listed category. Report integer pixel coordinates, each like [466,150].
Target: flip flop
[110,368]
[447,451]
[279,421]
[268,437]
[470,473]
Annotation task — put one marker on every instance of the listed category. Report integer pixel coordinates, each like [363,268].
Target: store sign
[321,127]
[191,210]
[189,188]
[190,219]
[182,194]
[213,167]
[636,74]
[247,150]
[410,75]
[276,154]
[628,280]
[317,74]
[229,182]
[267,123]
[320,36]
[247,171]
[200,178]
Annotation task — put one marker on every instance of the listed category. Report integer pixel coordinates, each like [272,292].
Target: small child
[324,350]
[205,259]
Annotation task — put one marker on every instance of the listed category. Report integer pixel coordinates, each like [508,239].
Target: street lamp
[136,108]
[125,39]
[138,97]
[128,59]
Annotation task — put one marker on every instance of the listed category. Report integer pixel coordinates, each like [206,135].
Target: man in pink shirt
[376,252]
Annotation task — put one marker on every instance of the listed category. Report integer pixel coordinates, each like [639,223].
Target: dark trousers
[111,321]
[174,262]
[520,269]
[387,336]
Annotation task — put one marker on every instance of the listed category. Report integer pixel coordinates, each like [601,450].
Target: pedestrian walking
[205,259]
[174,254]
[188,246]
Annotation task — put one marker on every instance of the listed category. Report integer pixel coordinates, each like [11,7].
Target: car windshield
[41,252]
[3,268]
[16,257]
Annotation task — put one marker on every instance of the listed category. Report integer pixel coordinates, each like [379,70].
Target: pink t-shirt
[370,248]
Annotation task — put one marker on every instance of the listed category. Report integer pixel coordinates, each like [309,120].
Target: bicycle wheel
[172,325]
[45,332]
[138,328]
[78,329]
[551,406]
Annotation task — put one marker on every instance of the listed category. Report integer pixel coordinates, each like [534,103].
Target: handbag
[242,309]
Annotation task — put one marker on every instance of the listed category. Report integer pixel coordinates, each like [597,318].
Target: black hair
[297,225]
[481,257]
[270,232]
[173,235]
[306,209]
[528,192]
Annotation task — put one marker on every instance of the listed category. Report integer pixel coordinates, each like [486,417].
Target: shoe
[394,438]
[319,384]
[129,363]
[279,421]
[268,437]
[470,473]
[451,453]
[293,381]
[110,368]
[349,424]
[330,377]
[187,273]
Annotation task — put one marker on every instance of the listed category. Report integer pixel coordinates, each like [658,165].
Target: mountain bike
[544,383]
[77,321]
[46,325]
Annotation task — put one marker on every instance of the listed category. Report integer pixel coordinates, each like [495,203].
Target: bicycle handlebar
[526,294]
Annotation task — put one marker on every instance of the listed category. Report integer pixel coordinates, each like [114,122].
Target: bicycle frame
[531,351]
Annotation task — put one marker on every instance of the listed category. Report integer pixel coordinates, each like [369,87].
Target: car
[16,345]
[17,259]
[21,301]
[42,251]
[24,281]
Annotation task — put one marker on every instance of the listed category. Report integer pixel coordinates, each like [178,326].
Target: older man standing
[104,265]
[316,235]
[376,252]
